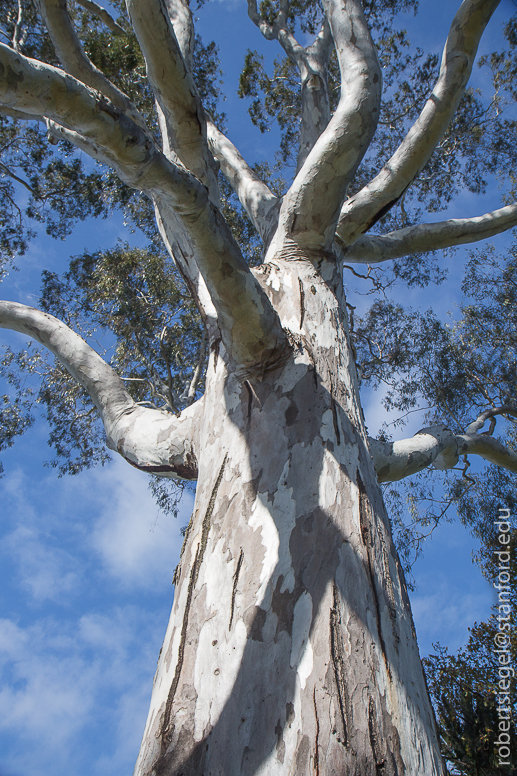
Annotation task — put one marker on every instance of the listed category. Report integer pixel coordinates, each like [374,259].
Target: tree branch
[249,325]
[174,89]
[313,68]
[73,58]
[102,14]
[277,31]
[311,208]
[436,446]
[312,62]
[362,210]
[180,16]
[151,440]
[373,249]
[256,198]
[480,421]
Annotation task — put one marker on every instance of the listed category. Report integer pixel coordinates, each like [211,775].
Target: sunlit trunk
[291,647]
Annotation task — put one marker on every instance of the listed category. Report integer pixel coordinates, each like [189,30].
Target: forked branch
[73,58]
[312,63]
[256,198]
[249,325]
[311,207]
[151,440]
[361,211]
[173,86]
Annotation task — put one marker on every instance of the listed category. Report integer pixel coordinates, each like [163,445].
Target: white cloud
[76,690]
[105,518]
[76,678]
[138,546]
[43,568]
[446,614]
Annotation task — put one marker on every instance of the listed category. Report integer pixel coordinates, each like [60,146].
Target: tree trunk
[291,647]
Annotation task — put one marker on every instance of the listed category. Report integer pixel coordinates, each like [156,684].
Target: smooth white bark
[154,441]
[362,210]
[315,115]
[180,16]
[373,249]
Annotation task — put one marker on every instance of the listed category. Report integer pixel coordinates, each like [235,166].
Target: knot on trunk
[291,251]
[276,359]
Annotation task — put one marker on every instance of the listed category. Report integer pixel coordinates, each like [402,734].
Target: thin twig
[12,175]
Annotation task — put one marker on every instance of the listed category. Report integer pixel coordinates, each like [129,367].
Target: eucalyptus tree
[291,647]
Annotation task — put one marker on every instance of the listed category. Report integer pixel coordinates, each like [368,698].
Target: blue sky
[86,563]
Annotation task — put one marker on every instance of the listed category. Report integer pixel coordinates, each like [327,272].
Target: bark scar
[338,661]
[380,761]
[334,415]
[234,588]
[302,302]
[316,752]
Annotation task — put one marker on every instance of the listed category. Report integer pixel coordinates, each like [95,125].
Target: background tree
[311,634]
[464,687]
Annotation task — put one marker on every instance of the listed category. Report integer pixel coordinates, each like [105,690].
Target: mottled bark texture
[291,648]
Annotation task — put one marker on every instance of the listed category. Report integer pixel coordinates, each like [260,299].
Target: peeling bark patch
[282,604]
[250,403]
[234,588]
[373,733]
[302,756]
[280,743]
[338,660]
[335,420]
[166,735]
[291,414]
[365,522]
[254,620]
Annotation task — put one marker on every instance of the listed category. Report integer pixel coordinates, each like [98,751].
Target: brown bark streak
[166,736]
[234,588]
[338,661]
